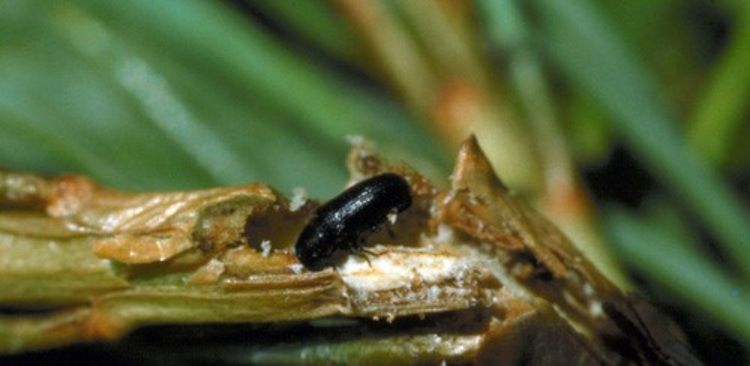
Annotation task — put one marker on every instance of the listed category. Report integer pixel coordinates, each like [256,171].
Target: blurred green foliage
[167,95]
[157,95]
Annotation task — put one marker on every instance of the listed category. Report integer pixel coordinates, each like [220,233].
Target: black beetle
[342,222]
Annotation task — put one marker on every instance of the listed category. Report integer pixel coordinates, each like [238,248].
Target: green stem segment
[724,104]
[685,273]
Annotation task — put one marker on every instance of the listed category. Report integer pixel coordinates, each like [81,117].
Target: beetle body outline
[342,223]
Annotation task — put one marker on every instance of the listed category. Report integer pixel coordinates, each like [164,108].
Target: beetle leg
[389,230]
[365,253]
